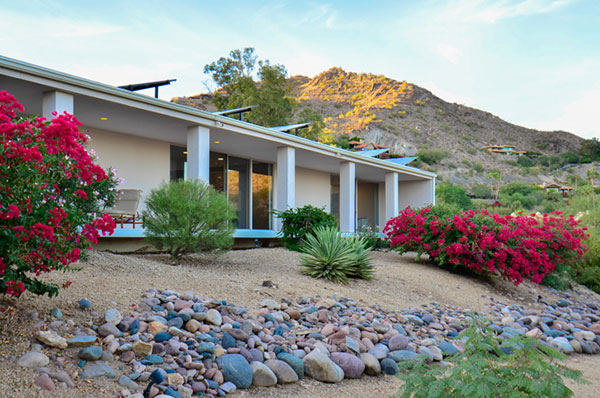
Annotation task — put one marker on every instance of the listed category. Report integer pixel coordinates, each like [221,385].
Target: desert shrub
[188,216]
[301,221]
[514,247]
[481,191]
[520,195]
[453,195]
[491,367]
[370,236]
[328,255]
[432,156]
[525,161]
[587,271]
[50,195]
[478,167]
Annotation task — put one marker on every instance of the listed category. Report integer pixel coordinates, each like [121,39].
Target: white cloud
[492,11]
[578,117]
[451,53]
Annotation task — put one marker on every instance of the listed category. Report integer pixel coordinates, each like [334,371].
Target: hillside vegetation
[412,120]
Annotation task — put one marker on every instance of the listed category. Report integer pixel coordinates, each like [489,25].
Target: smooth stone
[228,341]
[562,344]
[154,359]
[92,353]
[128,356]
[389,366]
[126,382]
[270,303]
[318,366]
[436,353]
[162,337]
[238,334]
[51,339]
[262,376]
[33,359]
[284,372]
[213,316]
[352,345]
[398,342]
[44,382]
[84,303]
[403,355]
[175,322]
[414,319]
[380,351]
[352,366]
[372,366]
[422,350]
[56,312]
[236,369]
[228,387]
[113,316]
[108,329]
[175,378]
[448,349]
[81,341]
[96,369]
[294,361]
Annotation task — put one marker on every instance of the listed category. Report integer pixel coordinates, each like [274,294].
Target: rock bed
[210,348]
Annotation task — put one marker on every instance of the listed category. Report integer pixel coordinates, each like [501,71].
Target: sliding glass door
[238,188]
[262,193]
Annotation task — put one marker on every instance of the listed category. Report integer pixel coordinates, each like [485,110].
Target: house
[564,190]
[148,140]
[504,149]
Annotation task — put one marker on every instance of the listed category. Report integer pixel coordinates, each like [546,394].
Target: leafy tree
[432,156]
[314,131]
[527,195]
[496,176]
[525,161]
[301,221]
[234,77]
[451,194]
[188,216]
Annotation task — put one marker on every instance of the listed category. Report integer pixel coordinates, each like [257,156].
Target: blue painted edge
[239,233]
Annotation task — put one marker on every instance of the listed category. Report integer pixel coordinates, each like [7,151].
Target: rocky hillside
[410,119]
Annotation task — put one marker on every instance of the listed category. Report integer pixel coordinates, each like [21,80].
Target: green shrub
[369,235]
[587,271]
[525,161]
[520,194]
[451,194]
[491,367]
[432,156]
[188,216]
[328,255]
[481,191]
[301,221]
[478,167]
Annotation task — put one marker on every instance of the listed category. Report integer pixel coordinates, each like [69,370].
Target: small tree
[299,222]
[188,216]
[50,195]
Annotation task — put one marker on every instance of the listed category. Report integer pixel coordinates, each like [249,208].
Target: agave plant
[328,255]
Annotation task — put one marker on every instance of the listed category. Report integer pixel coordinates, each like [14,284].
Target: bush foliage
[491,367]
[188,216]
[515,247]
[328,255]
[301,221]
[50,193]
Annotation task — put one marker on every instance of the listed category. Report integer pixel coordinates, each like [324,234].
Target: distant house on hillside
[149,141]
[504,149]
[564,190]
[361,146]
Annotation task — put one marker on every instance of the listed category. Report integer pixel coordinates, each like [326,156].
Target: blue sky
[531,62]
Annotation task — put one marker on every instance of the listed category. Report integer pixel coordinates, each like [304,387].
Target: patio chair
[125,208]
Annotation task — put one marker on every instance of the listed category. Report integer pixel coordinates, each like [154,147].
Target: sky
[534,63]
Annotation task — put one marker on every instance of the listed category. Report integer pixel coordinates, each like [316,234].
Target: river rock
[92,353]
[294,361]
[389,366]
[352,366]
[97,369]
[262,376]
[113,316]
[33,359]
[82,341]
[398,342]
[236,369]
[51,339]
[372,365]
[44,382]
[284,372]
[318,366]
[213,316]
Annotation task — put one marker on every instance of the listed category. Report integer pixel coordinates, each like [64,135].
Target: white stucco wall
[415,193]
[313,188]
[381,197]
[142,163]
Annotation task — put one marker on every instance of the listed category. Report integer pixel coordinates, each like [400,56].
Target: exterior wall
[142,163]
[416,193]
[381,197]
[313,188]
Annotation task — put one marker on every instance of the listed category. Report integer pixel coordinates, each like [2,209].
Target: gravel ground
[117,281]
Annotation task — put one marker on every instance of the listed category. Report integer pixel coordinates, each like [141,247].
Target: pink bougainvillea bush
[51,192]
[514,247]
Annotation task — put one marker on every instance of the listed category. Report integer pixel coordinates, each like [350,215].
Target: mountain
[411,119]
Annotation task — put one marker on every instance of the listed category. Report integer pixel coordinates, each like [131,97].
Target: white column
[198,153]
[56,101]
[391,195]
[285,181]
[348,197]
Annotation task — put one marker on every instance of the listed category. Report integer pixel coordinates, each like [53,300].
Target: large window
[262,193]
[248,185]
